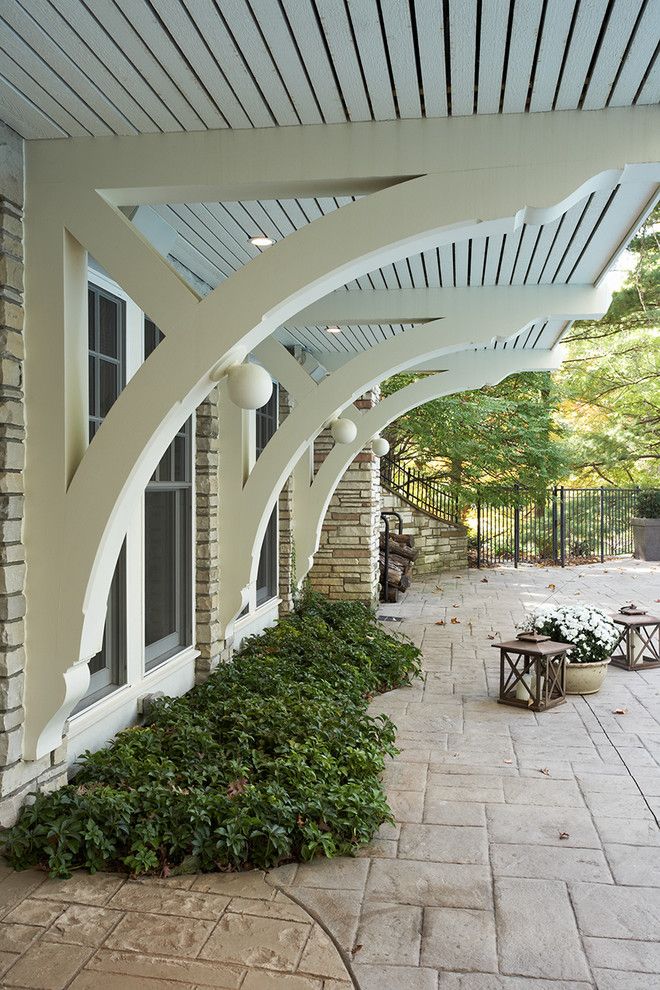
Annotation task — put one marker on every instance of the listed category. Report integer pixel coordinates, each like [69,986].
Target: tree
[610,382]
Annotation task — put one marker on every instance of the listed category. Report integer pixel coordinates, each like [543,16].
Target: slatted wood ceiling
[73,68]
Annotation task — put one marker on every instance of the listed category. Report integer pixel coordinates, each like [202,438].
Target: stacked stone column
[346,563]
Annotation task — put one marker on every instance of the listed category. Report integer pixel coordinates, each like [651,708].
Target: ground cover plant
[274,758]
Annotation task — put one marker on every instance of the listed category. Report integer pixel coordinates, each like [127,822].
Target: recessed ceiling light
[333,329]
[261,241]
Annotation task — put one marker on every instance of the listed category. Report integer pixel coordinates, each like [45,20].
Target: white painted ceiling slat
[403,275]
[310,42]
[21,75]
[639,56]
[462,44]
[369,40]
[258,58]
[186,222]
[262,221]
[493,251]
[293,210]
[310,209]
[236,228]
[235,244]
[336,28]
[376,280]
[492,46]
[509,256]
[417,271]
[556,27]
[389,277]
[431,44]
[432,269]
[279,217]
[398,30]
[612,49]
[48,34]
[124,52]
[477,253]
[565,233]
[588,23]
[582,235]
[200,269]
[528,241]
[197,37]
[24,116]
[274,27]
[106,62]
[446,263]
[524,33]
[627,209]
[140,15]
[326,204]
[461,265]
[542,249]
[650,92]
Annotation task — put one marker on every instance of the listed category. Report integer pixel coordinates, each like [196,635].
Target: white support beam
[464,373]
[345,159]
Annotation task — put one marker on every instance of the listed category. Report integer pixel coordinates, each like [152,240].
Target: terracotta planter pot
[585,678]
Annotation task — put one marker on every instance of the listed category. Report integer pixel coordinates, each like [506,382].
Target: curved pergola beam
[464,373]
[475,318]
[86,529]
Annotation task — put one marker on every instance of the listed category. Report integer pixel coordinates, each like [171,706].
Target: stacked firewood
[401,555]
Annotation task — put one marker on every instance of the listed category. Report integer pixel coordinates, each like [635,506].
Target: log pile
[401,555]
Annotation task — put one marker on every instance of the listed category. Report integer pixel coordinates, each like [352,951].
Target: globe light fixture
[380,446]
[343,430]
[250,386]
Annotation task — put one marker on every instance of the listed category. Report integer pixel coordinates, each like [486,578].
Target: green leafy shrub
[273,758]
[648,505]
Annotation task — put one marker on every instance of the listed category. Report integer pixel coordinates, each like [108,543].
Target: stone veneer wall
[346,563]
[441,546]
[285,518]
[207,591]
[17,777]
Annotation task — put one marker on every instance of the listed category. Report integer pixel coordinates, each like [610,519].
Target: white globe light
[380,446]
[343,430]
[250,386]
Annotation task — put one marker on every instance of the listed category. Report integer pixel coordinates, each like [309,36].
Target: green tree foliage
[596,420]
[610,382]
[486,439]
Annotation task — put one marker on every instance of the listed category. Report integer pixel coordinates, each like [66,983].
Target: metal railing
[421,491]
[561,526]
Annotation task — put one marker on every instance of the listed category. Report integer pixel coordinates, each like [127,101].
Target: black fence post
[478,532]
[562,526]
[602,524]
[555,548]
[516,526]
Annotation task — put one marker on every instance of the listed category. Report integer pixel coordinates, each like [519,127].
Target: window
[266,425]
[107,375]
[168,542]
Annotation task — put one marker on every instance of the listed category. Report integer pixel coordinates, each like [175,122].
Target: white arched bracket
[86,525]
[474,318]
[465,372]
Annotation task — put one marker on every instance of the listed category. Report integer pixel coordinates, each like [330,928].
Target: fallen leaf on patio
[508,761]
[544,771]
[620,711]
[456,606]
[438,588]
[455,621]
[484,580]
[356,948]
[564,835]
[552,587]
[441,622]
[491,637]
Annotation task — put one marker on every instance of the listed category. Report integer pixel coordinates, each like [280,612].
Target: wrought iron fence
[562,526]
[421,491]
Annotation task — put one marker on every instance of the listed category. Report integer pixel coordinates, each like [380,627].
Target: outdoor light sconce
[343,430]
[249,385]
[380,446]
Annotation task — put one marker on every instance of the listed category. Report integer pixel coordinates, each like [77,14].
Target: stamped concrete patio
[526,852]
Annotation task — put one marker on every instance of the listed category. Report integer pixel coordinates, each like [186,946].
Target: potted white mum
[592,633]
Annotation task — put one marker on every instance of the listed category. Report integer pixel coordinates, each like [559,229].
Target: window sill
[127,693]
[262,610]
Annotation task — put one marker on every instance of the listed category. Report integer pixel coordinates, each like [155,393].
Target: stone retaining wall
[441,546]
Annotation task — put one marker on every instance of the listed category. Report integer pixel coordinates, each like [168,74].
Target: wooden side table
[532,675]
[638,645]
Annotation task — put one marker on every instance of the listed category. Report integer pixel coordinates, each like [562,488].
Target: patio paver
[526,854]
